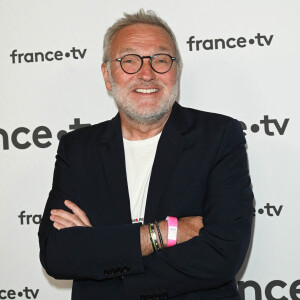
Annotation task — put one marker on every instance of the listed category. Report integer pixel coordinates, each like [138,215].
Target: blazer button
[126,269]
[119,278]
[113,271]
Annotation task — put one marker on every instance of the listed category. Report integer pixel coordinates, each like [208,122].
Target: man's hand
[188,227]
[63,219]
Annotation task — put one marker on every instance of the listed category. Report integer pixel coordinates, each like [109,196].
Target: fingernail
[53,211]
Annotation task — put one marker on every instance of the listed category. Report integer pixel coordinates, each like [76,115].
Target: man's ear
[106,77]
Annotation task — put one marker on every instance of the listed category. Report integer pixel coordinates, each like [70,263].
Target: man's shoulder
[213,128]
[195,118]
[87,135]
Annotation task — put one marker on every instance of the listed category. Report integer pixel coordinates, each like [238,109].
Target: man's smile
[146,91]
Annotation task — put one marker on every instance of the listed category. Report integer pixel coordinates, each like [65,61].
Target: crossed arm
[204,259]
[188,227]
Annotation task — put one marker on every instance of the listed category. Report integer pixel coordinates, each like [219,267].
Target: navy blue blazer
[200,169]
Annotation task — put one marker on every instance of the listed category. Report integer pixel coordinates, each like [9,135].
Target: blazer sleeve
[84,252]
[213,258]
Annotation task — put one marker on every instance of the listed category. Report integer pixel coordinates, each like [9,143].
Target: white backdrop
[256,84]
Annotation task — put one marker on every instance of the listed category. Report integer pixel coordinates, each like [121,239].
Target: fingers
[58,226]
[78,212]
[63,219]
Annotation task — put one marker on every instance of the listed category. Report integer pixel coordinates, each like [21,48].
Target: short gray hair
[141,17]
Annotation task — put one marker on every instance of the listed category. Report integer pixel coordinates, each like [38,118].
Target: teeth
[146,91]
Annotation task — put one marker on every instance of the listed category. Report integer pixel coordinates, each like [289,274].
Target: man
[153,160]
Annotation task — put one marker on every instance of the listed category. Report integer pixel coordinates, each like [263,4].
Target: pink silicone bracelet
[172,231]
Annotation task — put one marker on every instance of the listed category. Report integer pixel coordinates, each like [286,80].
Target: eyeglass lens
[161,63]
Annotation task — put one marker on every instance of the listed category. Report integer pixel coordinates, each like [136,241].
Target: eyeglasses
[132,63]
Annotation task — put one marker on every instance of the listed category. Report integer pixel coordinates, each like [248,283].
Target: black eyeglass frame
[142,61]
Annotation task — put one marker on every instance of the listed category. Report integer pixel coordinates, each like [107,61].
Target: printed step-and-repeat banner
[240,58]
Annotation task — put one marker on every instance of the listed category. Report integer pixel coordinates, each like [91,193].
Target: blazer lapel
[113,158]
[168,150]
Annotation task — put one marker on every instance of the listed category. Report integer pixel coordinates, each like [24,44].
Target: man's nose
[146,72]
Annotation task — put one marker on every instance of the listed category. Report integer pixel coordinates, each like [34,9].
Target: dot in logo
[20,294]
[261,211]
[61,133]
[251,41]
[254,128]
[67,54]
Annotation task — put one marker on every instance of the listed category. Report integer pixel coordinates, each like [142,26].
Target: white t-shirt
[139,158]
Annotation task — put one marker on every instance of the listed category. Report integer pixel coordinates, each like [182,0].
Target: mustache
[145,84]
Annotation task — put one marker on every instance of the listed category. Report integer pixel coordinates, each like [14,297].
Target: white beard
[143,117]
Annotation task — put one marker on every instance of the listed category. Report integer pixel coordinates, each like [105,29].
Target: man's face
[145,96]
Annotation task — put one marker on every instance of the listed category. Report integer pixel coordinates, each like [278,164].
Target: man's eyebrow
[134,51]
[164,49]
[128,51]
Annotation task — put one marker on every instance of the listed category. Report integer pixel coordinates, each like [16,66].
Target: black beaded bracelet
[159,235]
